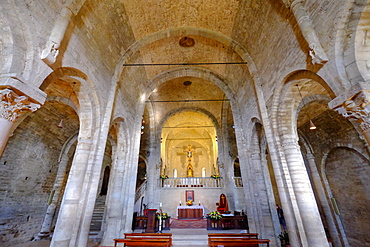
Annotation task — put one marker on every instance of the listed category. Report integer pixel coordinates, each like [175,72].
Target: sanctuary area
[246,116]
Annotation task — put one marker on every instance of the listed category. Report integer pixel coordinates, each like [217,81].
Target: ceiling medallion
[186,42]
[187,83]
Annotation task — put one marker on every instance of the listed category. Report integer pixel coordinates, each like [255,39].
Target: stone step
[198,240]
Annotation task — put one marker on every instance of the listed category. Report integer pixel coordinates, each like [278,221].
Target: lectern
[150,227]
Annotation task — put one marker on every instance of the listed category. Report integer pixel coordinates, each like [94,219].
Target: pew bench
[233,241]
[145,239]
[149,236]
[231,235]
[143,242]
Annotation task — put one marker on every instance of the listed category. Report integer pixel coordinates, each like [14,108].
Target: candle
[160,204]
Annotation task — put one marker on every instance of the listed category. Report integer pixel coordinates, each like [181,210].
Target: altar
[190,212]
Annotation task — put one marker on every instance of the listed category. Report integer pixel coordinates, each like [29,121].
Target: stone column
[56,193]
[11,106]
[356,107]
[68,223]
[323,200]
[114,205]
[317,52]
[306,202]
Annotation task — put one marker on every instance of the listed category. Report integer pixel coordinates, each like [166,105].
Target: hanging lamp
[312,125]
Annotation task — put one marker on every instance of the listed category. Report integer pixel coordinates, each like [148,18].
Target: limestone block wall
[348,175]
[342,159]
[28,169]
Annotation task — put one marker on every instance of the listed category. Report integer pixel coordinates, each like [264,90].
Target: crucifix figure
[189,155]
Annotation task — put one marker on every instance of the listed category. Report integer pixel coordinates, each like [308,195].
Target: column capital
[18,84]
[357,107]
[13,104]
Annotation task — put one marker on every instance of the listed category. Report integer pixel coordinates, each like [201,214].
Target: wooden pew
[237,235]
[231,235]
[143,242]
[247,242]
[148,236]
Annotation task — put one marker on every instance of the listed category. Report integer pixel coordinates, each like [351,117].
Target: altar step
[190,237]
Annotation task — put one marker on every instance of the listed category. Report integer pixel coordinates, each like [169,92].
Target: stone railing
[190,182]
[238,182]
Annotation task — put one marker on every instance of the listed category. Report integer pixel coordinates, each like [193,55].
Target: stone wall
[28,170]
[348,174]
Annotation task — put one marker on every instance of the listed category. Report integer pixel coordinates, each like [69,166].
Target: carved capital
[12,104]
[358,108]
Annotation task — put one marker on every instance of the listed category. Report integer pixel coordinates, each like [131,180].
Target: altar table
[190,212]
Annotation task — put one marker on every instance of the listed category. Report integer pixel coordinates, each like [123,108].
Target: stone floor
[46,243]
[181,237]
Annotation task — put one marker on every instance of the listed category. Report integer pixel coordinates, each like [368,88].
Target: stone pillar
[317,53]
[306,202]
[67,224]
[114,205]
[56,194]
[11,106]
[318,185]
[356,107]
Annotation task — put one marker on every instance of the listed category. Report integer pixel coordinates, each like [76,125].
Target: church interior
[238,107]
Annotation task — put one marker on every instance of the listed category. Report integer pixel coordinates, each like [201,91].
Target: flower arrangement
[215,176]
[189,203]
[214,215]
[164,215]
[163,177]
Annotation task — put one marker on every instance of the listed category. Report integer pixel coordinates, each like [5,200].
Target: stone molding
[358,108]
[13,104]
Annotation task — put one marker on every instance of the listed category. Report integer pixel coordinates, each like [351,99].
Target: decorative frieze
[12,104]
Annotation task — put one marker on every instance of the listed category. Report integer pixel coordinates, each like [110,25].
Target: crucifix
[189,155]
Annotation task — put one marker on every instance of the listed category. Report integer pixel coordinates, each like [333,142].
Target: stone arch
[285,115]
[228,42]
[234,45]
[348,185]
[347,41]
[194,109]
[191,72]
[15,38]
[87,98]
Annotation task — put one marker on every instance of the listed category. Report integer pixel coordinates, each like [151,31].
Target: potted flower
[214,215]
[163,215]
[164,177]
[189,203]
[284,239]
[215,176]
